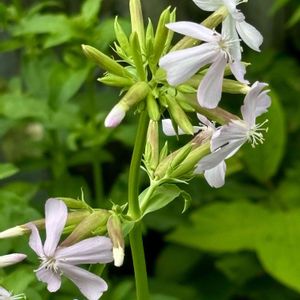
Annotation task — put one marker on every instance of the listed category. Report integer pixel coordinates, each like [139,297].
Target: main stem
[135,236]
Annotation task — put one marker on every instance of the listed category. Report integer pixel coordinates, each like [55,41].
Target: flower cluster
[218,50]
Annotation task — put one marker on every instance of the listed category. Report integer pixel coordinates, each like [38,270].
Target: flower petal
[250,35]
[229,33]
[230,5]
[168,129]
[10,259]
[208,5]
[89,251]
[232,132]
[256,103]
[210,88]
[35,242]
[52,279]
[183,64]
[206,122]
[115,116]
[238,69]
[194,30]
[4,292]
[56,214]
[216,176]
[90,285]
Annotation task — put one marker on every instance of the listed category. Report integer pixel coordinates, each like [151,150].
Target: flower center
[255,134]
[49,263]
[225,44]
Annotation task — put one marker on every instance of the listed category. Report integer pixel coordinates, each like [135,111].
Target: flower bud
[73,219]
[133,96]
[114,229]
[179,115]
[104,61]
[151,156]
[11,259]
[137,22]
[115,80]
[137,57]
[91,223]
[121,36]
[153,108]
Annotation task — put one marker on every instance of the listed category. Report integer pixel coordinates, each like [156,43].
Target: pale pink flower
[216,50]
[11,259]
[57,261]
[228,139]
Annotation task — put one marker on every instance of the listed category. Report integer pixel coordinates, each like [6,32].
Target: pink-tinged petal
[256,102]
[11,259]
[56,214]
[181,65]
[115,116]
[89,251]
[52,279]
[230,5]
[90,285]
[229,33]
[208,5]
[4,292]
[35,242]
[238,69]
[210,89]
[232,132]
[250,35]
[216,176]
[206,122]
[213,159]
[194,30]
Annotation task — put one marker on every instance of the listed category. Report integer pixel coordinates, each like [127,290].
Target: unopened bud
[114,229]
[137,56]
[152,146]
[121,36]
[91,223]
[179,115]
[152,107]
[104,61]
[133,96]
[11,259]
[115,80]
[14,231]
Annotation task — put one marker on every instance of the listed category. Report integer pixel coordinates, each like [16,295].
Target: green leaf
[264,161]
[90,9]
[295,18]
[274,235]
[7,170]
[223,227]
[161,197]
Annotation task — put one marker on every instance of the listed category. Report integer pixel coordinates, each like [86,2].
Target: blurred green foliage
[237,242]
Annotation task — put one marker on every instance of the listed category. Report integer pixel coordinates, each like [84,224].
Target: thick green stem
[135,236]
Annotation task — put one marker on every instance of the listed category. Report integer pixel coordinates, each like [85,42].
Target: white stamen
[255,136]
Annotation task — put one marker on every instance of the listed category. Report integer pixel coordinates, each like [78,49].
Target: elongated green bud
[121,36]
[114,229]
[149,38]
[137,22]
[134,95]
[116,81]
[104,61]
[85,228]
[179,115]
[137,56]
[152,107]
[73,219]
[161,35]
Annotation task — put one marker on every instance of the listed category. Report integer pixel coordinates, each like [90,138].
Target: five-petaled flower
[217,50]
[57,260]
[234,24]
[228,139]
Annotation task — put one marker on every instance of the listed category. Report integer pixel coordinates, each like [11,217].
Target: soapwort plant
[167,85]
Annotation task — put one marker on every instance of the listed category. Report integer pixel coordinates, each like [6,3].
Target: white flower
[217,50]
[228,139]
[10,259]
[214,176]
[6,295]
[234,24]
[57,261]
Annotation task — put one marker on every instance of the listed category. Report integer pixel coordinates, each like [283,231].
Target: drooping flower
[216,50]
[228,139]
[214,176]
[6,295]
[234,24]
[57,260]
[11,259]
